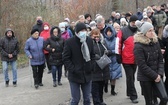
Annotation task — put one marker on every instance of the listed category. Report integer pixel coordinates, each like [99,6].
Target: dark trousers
[47,61]
[97,92]
[150,93]
[76,89]
[166,75]
[130,70]
[56,69]
[37,73]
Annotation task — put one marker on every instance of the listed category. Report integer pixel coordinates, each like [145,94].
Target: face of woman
[109,33]
[35,35]
[150,33]
[55,32]
[96,37]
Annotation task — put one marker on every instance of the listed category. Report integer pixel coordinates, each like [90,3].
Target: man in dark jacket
[39,24]
[9,50]
[78,57]
[125,55]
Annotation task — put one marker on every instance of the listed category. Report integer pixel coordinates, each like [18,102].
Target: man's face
[132,24]
[100,26]
[9,33]
[39,18]
[158,8]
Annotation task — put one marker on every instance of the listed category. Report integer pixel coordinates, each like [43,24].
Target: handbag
[104,60]
[162,94]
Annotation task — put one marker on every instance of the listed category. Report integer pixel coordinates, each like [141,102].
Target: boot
[112,90]
[54,84]
[40,82]
[106,87]
[7,83]
[15,84]
[36,86]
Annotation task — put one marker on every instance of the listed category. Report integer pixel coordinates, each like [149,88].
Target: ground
[26,94]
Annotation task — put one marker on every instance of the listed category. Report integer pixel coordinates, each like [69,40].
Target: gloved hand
[119,58]
[108,52]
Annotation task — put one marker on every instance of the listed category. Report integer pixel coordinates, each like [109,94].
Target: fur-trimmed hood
[141,38]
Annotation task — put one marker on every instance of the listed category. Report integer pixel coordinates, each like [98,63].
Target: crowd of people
[138,42]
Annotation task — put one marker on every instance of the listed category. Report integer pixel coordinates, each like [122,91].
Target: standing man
[78,57]
[9,48]
[160,18]
[39,24]
[124,50]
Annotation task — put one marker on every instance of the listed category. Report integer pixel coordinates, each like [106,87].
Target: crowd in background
[128,39]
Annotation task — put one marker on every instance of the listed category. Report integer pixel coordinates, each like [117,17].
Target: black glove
[118,58]
[108,52]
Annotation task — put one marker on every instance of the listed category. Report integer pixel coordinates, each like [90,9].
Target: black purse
[162,94]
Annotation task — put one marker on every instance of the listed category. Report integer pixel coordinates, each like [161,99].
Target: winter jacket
[115,68]
[148,57]
[79,70]
[98,73]
[34,48]
[65,35]
[160,17]
[125,45]
[57,43]
[45,34]
[9,46]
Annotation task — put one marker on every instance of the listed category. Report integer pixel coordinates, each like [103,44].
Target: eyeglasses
[95,37]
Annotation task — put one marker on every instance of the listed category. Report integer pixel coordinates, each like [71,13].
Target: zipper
[38,49]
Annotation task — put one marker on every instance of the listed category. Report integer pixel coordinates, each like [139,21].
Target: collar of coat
[141,38]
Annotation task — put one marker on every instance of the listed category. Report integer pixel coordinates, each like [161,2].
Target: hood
[112,30]
[139,37]
[45,23]
[51,31]
[9,29]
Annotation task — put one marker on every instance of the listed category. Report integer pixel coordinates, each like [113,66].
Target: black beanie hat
[34,30]
[133,18]
[80,26]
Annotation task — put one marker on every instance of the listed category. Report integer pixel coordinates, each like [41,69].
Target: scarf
[84,47]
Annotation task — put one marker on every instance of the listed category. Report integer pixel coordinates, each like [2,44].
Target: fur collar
[139,37]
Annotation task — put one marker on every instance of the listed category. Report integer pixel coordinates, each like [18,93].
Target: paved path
[25,94]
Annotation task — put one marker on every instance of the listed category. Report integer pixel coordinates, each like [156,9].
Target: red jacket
[125,45]
[45,34]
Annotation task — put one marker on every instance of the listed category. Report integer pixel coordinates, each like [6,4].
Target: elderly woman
[34,51]
[99,76]
[149,59]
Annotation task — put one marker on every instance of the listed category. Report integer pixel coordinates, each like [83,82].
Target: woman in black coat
[149,59]
[99,76]
[55,46]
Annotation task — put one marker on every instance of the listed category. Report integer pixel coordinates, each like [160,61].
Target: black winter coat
[148,57]
[57,43]
[79,70]
[9,46]
[98,73]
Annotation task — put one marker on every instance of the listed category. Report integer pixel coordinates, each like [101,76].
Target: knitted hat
[34,30]
[133,18]
[67,19]
[143,26]
[80,26]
